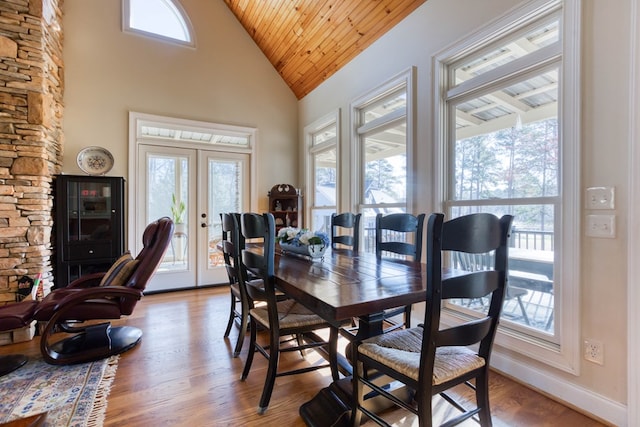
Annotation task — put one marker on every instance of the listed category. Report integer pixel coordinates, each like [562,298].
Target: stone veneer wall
[31,139]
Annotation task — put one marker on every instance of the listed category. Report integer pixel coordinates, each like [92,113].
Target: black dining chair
[342,222]
[232,244]
[430,360]
[474,262]
[281,318]
[399,235]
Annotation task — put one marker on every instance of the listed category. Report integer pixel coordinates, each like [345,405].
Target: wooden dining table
[341,286]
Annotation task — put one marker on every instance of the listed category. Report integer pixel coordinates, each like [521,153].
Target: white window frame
[310,131]
[562,352]
[127,28]
[359,131]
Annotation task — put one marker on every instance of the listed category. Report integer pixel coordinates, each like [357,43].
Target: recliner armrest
[87,281]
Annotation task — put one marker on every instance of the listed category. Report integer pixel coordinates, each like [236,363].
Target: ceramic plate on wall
[95,160]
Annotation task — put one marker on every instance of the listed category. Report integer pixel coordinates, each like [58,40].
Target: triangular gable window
[163,19]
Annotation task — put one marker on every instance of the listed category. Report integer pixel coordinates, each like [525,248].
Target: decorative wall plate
[95,160]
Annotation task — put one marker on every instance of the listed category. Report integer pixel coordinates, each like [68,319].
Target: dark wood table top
[345,284]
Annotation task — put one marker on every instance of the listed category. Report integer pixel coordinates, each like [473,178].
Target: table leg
[331,407]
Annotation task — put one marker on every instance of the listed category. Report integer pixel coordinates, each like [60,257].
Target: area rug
[72,396]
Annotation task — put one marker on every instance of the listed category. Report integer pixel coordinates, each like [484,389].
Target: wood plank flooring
[182,374]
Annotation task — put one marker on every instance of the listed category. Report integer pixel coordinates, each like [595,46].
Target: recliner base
[97,342]
[11,362]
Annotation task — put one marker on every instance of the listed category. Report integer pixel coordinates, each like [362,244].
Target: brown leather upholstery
[111,302]
[83,300]
[15,316]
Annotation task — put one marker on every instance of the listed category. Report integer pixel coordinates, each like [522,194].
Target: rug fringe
[97,415]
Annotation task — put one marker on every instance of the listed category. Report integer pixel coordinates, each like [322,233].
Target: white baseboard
[574,395]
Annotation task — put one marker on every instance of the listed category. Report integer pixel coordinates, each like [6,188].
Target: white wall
[225,79]
[599,390]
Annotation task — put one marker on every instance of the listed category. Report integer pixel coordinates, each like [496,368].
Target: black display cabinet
[89,225]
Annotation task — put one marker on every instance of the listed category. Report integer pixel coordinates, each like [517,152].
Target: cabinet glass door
[90,211]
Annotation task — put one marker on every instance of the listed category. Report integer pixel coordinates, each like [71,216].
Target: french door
[193,186]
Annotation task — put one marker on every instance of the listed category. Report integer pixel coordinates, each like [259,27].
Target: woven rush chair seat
[290,315]
[401,351]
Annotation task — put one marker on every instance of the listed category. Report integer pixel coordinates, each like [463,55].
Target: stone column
[31,139]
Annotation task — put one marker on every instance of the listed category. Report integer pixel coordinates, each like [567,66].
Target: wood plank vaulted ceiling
[307,41]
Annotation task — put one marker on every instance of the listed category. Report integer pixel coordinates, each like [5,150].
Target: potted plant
[178,210]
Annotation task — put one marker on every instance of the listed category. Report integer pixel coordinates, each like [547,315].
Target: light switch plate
[600,198]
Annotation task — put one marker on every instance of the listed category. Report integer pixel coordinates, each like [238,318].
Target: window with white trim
[162,19]
[384,151]
[322,143]
[509,146]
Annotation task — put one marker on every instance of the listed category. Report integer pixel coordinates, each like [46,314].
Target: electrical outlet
[594,351]
[601,226]
[601,198]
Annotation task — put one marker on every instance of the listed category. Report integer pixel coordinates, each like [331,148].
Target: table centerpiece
[303,242]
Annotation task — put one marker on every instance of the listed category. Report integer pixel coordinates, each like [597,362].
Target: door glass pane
[225,195]
[168,196]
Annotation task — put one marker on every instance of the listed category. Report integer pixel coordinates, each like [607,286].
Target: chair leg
[333,353]
[358,395]
[244,321]
[425,410]
[300,342]
[270,380]
[231,314]
[252,350]
[525,317]
[482,398]
[407,316]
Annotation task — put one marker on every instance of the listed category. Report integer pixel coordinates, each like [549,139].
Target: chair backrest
[346,220]
[471,234]
[260,230]
[232,244]
[155,240]
[400,233]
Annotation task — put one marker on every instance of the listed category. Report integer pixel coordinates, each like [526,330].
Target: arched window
[162,19]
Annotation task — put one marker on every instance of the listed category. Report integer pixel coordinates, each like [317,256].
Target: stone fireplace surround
[31,137]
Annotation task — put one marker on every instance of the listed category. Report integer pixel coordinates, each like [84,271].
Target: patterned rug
[73,396]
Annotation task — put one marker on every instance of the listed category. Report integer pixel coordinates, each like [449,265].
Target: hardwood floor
[182,374]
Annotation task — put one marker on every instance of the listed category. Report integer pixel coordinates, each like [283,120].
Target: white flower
[291,233]
[304,238]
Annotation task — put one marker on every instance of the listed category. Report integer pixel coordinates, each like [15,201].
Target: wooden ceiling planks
[307,41]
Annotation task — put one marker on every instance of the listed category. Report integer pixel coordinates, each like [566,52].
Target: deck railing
[531,239]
